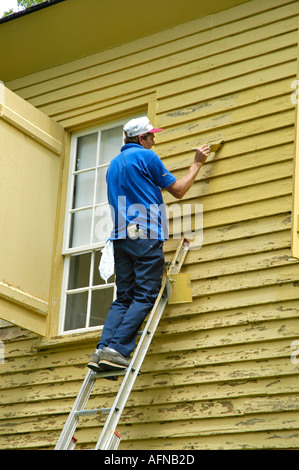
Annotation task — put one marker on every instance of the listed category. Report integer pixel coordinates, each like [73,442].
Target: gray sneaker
[94,361]
[94,364]
[112,360]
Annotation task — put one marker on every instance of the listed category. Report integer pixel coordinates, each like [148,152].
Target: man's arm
[179,188]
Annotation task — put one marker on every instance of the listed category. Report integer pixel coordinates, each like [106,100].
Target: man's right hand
[179,188]
[202,154]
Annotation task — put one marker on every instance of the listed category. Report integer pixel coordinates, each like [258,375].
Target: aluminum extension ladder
[110,438]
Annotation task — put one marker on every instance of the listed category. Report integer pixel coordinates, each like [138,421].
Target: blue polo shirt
[134,181]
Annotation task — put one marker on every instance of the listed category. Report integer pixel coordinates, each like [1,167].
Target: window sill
[68,341]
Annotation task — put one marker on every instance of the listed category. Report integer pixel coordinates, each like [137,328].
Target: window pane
[81,228]
[76,308]
[79,271]
[111,142]
[87,151]
[103,223]
[101,195]
[84,189]
[97,280]
[100,304]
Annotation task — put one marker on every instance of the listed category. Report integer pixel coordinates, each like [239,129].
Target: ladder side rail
[80,403]
[130,377]
[179,257]
[106,437]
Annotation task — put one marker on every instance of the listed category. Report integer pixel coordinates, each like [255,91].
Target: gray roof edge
[32,9]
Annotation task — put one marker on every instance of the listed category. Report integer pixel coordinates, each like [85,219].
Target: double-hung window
[86,298]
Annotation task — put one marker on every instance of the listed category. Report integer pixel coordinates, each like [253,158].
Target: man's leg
[148,269]
[125,289]
[125,280]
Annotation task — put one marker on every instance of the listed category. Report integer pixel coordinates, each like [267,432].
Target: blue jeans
[139,266]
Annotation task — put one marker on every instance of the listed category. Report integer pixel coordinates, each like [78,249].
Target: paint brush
[214,146]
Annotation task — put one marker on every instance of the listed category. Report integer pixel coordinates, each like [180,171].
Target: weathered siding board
[218,374]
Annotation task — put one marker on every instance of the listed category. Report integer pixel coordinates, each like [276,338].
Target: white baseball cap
[140,126]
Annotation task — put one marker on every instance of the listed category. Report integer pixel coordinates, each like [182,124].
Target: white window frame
[67,251]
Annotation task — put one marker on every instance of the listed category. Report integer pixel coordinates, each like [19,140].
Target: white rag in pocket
[106,266]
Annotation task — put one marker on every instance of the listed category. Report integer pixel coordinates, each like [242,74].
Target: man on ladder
[134,180]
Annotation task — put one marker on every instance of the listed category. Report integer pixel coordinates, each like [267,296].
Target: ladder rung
[103,411]
[112,373]
[87,412]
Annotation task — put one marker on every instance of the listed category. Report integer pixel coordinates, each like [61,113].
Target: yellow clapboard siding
[252,262]
[231,249]
[226,166]
[162,377]
[238,18]
[285,309]
[219,320]
[212,353]
[128,72]
[248,423]
[292,404]
[228,132]
[106,111]
[236,84]
[228,158]
[188,393]
[175,342]
[246,441]
[177,339]
[277,439]
[245,195]
[206,392]
[176,410]
[240,299]
[232,371]
[157,79]
[235,410]
[253,332]
[48,391]
[265,92]
[232,282]
[238,234]
[197,320]
[249,211]
[247,178]
[71,116]
[194,372]
[198,410]
[43,376]
[228,117]
[227,71]
[266,440]
[236,406]
[275,25]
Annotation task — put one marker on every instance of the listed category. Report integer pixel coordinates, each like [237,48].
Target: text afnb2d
[171,459]
[151,459]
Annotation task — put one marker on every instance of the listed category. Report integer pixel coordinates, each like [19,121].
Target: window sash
[95,203]
[88,289]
